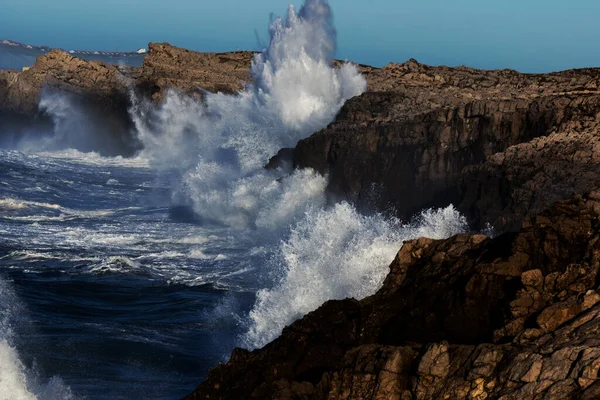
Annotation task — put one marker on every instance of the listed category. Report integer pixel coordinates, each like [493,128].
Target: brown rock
[461,325]
[102,90]
[406,142]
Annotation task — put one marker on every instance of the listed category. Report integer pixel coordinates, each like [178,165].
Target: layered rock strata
[513,317]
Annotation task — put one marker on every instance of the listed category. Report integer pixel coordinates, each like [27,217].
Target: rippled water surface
[113,294]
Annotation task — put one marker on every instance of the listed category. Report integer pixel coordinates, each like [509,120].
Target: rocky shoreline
[429,136]
[512,317]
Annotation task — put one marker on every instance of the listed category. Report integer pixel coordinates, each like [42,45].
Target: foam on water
[32,211]
[17,204]
[334,254]
[12,375]
[219,149]
[95,159]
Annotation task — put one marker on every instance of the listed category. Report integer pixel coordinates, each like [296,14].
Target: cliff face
[514,317]
[525,178]
[406,142]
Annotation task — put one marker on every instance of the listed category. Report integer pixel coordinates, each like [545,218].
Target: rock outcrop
[164,67]
[513,317]
[405,143]
[168,67]
[102,91]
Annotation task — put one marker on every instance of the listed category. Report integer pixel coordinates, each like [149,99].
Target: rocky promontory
[165,67]
[103,91]
[513,317]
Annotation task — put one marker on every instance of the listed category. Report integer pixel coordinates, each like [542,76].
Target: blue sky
[528,35]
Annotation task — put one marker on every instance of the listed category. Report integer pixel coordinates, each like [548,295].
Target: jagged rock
[169,67]
[405,143]
[513,317]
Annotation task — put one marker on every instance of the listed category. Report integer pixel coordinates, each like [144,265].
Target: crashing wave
[17,382]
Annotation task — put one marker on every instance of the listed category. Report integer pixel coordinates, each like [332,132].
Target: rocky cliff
[421,136]
[513,317]
[406,143]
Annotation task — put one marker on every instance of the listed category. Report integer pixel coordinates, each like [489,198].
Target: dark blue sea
[102,287]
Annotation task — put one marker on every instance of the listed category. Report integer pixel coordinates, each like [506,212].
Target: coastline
[510,149]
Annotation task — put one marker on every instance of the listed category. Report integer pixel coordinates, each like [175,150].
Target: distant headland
[16,44]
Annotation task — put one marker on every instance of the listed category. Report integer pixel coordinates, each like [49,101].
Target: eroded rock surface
[406,142]
[514,317]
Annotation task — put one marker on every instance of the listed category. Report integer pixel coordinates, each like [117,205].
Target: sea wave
[18,382]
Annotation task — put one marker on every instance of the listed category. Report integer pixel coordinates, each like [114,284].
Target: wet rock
[283,159]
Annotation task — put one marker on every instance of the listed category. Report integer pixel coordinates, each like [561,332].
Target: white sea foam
[95,159]
[13,379]
[334,254]
[115,264]
[33,256]
[219,149]
[18,204]
[221,146]
[11,206]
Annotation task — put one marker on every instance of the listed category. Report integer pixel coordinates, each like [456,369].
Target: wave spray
[316,252]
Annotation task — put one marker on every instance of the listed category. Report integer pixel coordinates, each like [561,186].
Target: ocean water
[127,276]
